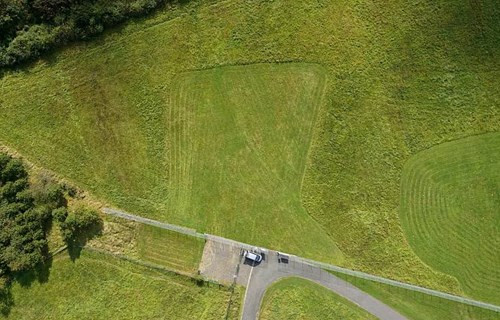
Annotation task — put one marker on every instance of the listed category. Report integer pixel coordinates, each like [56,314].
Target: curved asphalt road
[269,271]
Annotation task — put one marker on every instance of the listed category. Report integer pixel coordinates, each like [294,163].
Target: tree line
[30,27]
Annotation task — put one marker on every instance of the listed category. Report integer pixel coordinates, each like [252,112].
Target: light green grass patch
[98,286]
[296,298]
[419,306]
[173,250]
[237,146]
[450,211]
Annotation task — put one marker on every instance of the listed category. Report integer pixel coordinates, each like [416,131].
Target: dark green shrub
[79,223]
[12,171]
[29,43]
[49,9]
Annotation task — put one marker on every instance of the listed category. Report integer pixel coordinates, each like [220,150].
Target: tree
[78,225]
[49,9]
[26,212]
[24,217]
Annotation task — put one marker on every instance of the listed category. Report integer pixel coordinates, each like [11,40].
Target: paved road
[269,271]
[296,268]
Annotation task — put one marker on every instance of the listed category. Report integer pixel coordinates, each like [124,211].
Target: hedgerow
[29,28]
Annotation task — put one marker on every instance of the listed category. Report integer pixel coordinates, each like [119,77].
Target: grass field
[173,250]
[235,151]
[296,298]
[418,306]
[236,147]
[98,286]
[450,211]
[399,78]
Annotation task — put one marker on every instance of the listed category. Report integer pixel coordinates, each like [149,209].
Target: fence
[171,227]
[367,276]
[311,263]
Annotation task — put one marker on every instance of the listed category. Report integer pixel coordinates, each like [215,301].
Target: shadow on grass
[6,300]
[41,272]
[26,278]
[76,244]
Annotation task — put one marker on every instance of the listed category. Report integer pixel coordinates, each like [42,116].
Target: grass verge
[173,250]
[296,298]
[419,306]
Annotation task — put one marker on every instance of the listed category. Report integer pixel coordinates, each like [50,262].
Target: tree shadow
[40,273]
[76,244]
[6,299]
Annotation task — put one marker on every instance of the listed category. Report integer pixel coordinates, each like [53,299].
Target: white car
[252,256]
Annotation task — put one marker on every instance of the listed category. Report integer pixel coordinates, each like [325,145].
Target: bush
[29,43]
[70,190]
[78,223]
[49,9]
[12,170]
[60,214]
[48,193]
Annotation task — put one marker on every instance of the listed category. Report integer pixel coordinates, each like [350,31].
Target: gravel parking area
[221,262]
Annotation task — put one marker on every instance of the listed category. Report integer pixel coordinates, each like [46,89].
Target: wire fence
[435,293]
[172,227]
[308,265]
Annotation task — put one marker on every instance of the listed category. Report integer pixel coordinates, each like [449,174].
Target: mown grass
[98,286]
[173,250]
[237,143]
[166,249]
[296,298]
[450,210]
[400,77]
[418,306]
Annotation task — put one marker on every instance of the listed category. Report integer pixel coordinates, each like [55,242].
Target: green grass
[399,78]
[173,250]
[296,298]
[98,286]
[418,306]
[450,211]
[237,142]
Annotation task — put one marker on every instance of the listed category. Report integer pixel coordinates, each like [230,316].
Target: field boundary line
[144,263]
[313,263]
[167,226]
[157,267]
